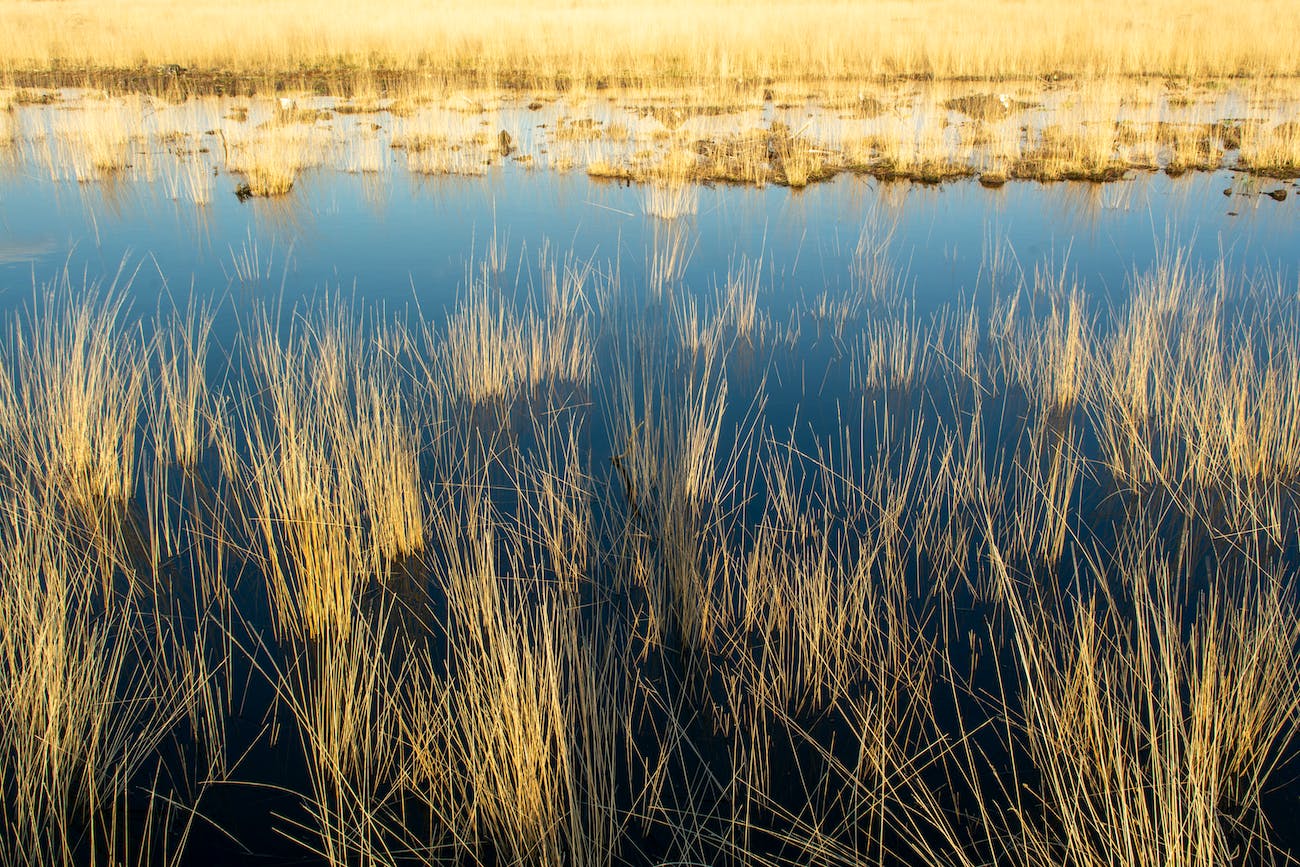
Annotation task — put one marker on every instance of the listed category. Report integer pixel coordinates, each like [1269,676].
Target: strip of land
[603,42]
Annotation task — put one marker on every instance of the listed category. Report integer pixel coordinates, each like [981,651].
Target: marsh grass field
[739,535]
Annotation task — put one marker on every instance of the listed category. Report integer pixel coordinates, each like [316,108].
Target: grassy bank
[604,43]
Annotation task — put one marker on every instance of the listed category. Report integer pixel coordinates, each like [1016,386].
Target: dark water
[409,245]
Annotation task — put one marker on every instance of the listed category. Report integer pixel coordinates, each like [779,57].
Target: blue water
[409,244]
[404,241]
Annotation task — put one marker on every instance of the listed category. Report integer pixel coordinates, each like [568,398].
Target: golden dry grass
[332,466]
[489,351]
[72,393]
[100,140]
[603,41]
[182,353]
[271,159]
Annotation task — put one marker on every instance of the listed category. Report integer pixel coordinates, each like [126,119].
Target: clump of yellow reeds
[87,703]
[97,139]
[513,745]
[181,348]
[667,423]
[1186,395]
[828,609]
[1050,357]
[1152,723]
[1065,152]
[706,328]
[490,351]
[272,158]
[874,279]
[8,126]
[445,142]
[894,355]
[914,145]
[189,177]
[1062,347]
[71,393]
[365,155]
[341,693]
[335,484]
[1271,149]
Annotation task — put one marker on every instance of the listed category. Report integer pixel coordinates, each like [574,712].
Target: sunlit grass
[547,42]
[551,575]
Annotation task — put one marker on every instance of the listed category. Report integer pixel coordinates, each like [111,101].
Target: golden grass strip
[506,40]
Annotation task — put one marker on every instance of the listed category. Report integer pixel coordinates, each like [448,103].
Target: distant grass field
[598,42]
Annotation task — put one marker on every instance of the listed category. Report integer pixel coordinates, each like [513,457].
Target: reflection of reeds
[666,260]
[668,201]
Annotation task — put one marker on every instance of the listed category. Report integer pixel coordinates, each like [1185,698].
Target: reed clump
[1174,719]
[490,351]
[272,158]
[72,394]
[181,350]
[98,140]
[332,467]
[1094,129]
[1271,149]
[92,699]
